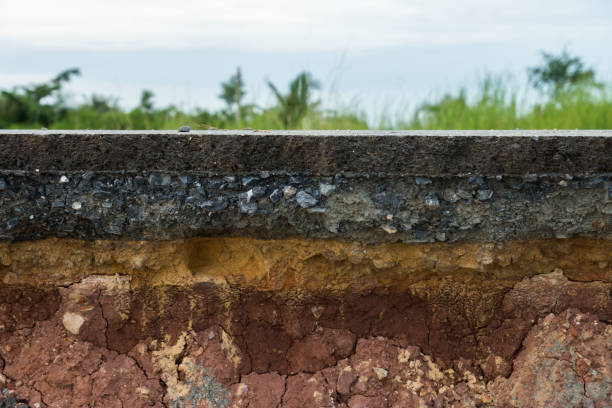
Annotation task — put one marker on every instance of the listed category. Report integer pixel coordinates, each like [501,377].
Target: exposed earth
[305,323]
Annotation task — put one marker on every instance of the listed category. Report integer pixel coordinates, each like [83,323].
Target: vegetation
[561,73]
[568,97]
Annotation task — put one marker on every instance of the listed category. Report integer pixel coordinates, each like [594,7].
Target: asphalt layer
[489,186]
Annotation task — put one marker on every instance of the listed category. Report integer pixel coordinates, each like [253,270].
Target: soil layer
[220,322]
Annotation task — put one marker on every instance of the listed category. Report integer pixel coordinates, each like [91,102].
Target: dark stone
[276,195]
[258,191]
[248,208]
[484,195]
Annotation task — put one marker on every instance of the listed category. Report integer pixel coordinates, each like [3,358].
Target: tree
[560,72]
[232,93]
[26,104]
[296,104]
[102,104]
[146,100]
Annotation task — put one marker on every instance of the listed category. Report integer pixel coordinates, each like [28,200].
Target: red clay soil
[240,322]
[98,343]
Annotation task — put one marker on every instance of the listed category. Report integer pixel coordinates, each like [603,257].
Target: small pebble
[276,195]
[484,195]
[422,181]
[289,191]
[305,200]
[63,180]
[389,229]
[258,191]
[184,129]
[326,189]
[432,202]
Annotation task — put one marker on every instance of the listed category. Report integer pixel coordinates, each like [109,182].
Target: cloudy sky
[375,52]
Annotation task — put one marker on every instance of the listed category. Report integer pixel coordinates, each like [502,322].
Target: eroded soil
[250,323]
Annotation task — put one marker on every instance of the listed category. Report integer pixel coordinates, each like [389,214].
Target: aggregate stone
[357,208]
[276,195]
[305,200]
[484,195]
[258,191]
[289,191]
[422,181]
[248,181]
[248,208]
[326,189]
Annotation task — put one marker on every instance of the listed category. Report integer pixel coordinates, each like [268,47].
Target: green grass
[495,105]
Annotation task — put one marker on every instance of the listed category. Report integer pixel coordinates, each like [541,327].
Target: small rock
[73,322]
[160,179]
[63,179]
[76,205]
[276,195]
[450,196]
[422,181]
[305,200]
[114,227]
[326,189]
[316,210]
[248,208]
[317,311]
[247,196]
[289,191]
[432,202]
[380,372]
[484,195]
[476,181]
[466,195]
[258,191]
[186,179]
[247,181]
[389,229]
[184,129]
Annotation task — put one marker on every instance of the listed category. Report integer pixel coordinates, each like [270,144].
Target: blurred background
[275,64]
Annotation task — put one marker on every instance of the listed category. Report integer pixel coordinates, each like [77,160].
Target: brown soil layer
[219,322]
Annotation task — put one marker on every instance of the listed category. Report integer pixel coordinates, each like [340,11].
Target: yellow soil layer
[299,264]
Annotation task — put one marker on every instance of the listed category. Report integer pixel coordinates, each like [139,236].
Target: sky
[368,53]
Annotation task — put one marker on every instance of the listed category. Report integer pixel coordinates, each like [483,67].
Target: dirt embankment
[223,322]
